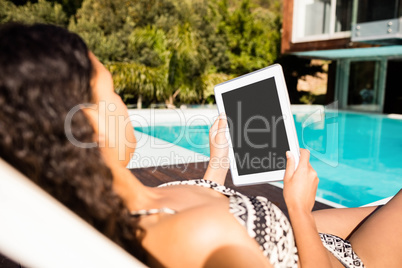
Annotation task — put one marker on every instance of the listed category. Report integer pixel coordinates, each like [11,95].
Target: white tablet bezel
[239,82]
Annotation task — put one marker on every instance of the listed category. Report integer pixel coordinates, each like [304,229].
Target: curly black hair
[44,72]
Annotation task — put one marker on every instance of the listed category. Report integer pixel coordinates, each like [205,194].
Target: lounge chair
[38,231]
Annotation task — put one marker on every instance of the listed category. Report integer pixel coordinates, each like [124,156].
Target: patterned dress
[263,221]
[342,250]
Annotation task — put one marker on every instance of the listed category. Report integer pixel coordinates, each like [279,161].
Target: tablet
[260,125]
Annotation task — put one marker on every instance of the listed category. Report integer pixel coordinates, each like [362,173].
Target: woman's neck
[135,195]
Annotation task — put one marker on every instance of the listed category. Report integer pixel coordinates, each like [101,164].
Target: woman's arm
[299,191]
[218,145]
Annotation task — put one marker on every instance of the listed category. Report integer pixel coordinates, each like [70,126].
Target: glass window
[312,17]
[343,15]
[317,15]
[373,10]
[362,84]
[321,19]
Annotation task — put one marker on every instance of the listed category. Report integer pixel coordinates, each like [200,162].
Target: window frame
[318,37]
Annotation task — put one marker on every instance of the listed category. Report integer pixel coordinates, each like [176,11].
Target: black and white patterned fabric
[342,250]
[263,221]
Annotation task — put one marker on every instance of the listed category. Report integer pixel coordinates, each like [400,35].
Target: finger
[222,121]
[222,127]
[214,127]
[290,166]
[304,157]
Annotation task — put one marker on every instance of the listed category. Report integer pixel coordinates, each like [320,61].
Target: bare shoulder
[201,236]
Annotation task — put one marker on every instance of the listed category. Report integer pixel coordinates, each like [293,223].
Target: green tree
[148,45]
[70,7]
[131,79]
[157,35]
[163,14]
[105,26]
[252,34]
[187,63]
[169,51]
[40,12]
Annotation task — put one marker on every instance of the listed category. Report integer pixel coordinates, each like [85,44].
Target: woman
[45,72]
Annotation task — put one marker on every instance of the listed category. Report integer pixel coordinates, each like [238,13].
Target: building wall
[344,76]
[287,46]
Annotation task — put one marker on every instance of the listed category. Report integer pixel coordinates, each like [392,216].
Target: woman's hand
[219,149]
[300,185]
[218,144]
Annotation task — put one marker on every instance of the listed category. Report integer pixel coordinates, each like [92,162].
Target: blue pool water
[357,156]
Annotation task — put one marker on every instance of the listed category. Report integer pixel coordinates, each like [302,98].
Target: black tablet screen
[256,127]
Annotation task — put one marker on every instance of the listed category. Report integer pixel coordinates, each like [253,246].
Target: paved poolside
[153,152]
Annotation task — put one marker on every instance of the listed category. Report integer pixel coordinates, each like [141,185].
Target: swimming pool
[357,156]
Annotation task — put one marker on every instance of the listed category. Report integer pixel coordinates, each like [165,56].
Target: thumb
[290,166]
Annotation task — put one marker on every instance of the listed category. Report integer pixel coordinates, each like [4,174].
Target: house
[361,39]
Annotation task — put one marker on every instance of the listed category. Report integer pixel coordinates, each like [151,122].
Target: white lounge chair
[38,231]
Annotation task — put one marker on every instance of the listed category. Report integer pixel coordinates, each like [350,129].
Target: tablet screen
[256,127]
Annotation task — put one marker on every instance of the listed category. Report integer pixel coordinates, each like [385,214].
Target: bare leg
[378,241]
[340,221]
